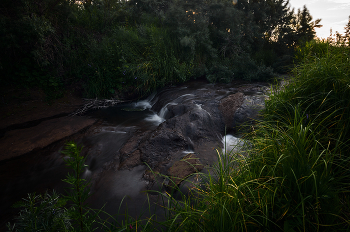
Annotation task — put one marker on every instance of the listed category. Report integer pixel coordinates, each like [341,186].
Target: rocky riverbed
[131,148]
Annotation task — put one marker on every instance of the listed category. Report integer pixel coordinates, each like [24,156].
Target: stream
[158,131]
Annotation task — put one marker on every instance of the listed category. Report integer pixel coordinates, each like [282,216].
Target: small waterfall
[155,118]
[159,118]
[86,174]
[188,152]
[231,142]
[164,110]
[145,104]
[200,108]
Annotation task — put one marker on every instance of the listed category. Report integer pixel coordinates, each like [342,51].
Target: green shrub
[41,213]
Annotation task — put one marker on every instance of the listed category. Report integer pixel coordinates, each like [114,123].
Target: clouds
[298,4]
[339,1]
[334,14]
[343,22]
[339,4]
[337,26]
[340,7]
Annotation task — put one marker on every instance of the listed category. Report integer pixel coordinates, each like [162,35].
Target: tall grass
[295,176]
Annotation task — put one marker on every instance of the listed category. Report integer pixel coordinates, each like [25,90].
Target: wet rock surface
[249,110]
[183,168]
[193,118]
[21,141]
[133,160]
[242,108]
[161,146]
[190,120]
[23,107]
[129,154]
[229,105]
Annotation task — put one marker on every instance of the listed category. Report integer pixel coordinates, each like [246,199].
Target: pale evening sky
[334,14]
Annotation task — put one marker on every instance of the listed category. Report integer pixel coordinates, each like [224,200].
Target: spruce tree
[305,27]
[347,32]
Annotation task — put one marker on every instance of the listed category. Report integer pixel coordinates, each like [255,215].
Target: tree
[347,32]
[304,26]
[188,22]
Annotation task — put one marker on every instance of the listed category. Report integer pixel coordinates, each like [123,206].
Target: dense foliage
[107,47]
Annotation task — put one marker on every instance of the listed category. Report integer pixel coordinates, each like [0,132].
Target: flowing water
[116,189]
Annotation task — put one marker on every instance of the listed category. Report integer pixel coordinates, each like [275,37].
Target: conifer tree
[347,32]
[305,27]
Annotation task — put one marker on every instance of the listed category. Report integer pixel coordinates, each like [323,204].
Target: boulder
[161,146]
[229,105]
[241,109]
[194,123]
[249,110]
[183,168]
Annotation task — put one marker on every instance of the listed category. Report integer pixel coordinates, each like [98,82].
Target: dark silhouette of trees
[304,26]
[52,43]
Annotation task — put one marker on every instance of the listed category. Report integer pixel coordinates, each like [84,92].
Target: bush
[41,213]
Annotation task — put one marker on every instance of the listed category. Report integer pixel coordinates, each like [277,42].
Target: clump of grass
[286,183]
[322,89]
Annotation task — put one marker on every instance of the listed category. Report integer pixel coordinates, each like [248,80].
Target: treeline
[105,47]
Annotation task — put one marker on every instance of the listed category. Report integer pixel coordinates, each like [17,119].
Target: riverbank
[20,107]
[29,122]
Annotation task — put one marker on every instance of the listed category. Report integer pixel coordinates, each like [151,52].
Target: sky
[334,14]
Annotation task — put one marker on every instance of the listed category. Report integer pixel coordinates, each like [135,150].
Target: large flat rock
[23,106]
[22,141]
